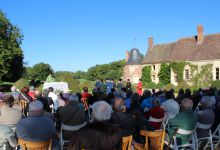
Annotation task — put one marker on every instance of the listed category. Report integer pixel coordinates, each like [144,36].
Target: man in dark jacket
[72,114]
[125,120]
[99,135]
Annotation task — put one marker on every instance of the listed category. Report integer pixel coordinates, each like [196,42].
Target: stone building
[199,50]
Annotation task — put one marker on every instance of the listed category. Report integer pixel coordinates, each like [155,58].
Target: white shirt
[171,108]
[54,98]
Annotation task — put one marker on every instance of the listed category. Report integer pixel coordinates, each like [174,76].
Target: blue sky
[77,34]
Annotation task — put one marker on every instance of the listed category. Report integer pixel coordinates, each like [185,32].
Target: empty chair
[154,140]
[126,142]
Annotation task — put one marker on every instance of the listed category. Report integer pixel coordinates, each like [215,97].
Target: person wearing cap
[205,116]
[100,134]
[72,114]
[8,115]
[36,127]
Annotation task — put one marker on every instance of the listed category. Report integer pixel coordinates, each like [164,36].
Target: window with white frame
[175,78]
[186,74]
[154,77]
[154,68]
[217,73]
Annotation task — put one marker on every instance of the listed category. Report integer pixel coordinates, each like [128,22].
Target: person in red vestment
[85,93]
[139,87]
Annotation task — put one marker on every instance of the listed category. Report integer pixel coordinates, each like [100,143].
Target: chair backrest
[184,132]
[152,119]
[85,103]
[203,126]
[156,139]
[72,128]
[126,142]
[29,145]
[23,104]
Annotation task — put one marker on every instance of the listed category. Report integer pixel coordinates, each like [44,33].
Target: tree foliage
[112,70]
[65,76]
[164,74]
[146,75]
[39,71]
[11,54]
[79,74]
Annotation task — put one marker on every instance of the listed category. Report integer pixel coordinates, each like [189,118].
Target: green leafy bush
[21,83]
[73,84]
[160,85]
[216,84]
[169,86]
[146,74]
[150,85]
[183,85]
[164,74]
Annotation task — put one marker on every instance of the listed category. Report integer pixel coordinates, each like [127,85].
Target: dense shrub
[164,74]
[73,84]
[21,83]
[160,85]
[146,75]
[150,85]
[216,84]
[183,85]
[169,86]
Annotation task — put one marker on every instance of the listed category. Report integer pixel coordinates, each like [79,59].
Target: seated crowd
[98,121]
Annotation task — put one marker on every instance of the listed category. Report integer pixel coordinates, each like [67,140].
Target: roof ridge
[164,44]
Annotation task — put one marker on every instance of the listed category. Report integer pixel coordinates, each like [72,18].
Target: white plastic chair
[209,137]
[68,128]
[191,141]
[215,138]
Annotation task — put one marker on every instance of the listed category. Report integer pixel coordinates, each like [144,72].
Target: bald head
[119,104]
[186,104]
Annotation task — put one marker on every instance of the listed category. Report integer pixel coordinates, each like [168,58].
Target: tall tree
[11,54]
[40,71]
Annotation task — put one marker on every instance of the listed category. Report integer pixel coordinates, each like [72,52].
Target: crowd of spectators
[112,111]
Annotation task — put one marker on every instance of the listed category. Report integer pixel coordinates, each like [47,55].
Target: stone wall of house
[132,72]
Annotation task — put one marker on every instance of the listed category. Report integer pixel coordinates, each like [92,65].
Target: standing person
[97,83]
[101,86]
[139,87]
[114,84]
[54,97]
[109,86]
[120,85]
[128,86]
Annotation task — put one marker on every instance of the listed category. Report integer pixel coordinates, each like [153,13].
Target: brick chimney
[126,56]
[150,43]
[199,33]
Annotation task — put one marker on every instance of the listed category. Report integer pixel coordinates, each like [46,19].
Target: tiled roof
[159,53]
[185,49]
